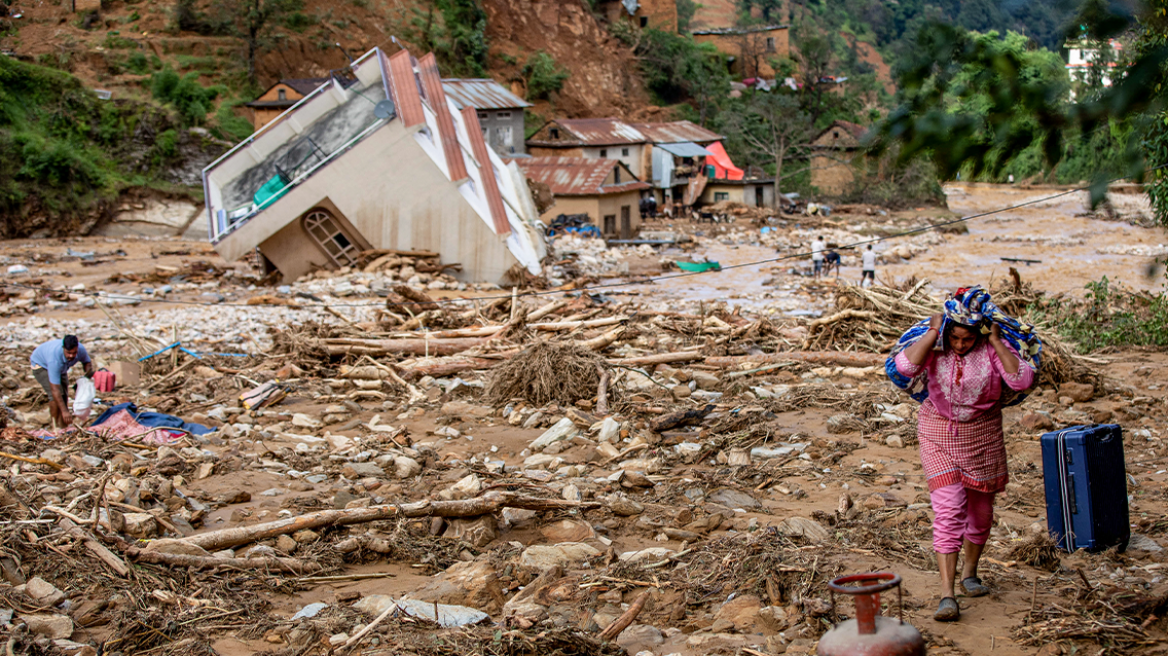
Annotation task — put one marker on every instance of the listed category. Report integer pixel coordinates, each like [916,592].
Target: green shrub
[544,75]
[231,127]
[297,21]
[115,42]
[138,64]
[185,94]
[1111,316]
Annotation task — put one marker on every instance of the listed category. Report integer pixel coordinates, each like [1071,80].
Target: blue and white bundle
[970,307]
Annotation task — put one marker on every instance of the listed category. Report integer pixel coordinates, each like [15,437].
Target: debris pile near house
[521,475]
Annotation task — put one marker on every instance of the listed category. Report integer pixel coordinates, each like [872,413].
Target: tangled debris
[570,475]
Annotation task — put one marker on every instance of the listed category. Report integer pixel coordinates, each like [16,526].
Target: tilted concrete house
[378,157]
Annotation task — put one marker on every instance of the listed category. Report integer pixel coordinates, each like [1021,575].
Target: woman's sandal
[948,611]
[974,587]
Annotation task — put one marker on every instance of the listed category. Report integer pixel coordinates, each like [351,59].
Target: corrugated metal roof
[677,132]
[304,85]
[481,93]
[741,30]
[576,176]
[615,132]
[601,131]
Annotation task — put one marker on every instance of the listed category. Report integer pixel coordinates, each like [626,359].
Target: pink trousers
[960,514]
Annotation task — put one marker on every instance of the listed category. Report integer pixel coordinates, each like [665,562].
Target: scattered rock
[894,441]
[1037,421]
[740,613]
[733,499]
[43,592]
[639,635]
[354,470]
[562,430]
[567,530]
[1079,392]
[53,627]
[542,557]
[622,507]
[803,527]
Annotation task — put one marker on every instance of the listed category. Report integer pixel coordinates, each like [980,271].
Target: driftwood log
[621,623]
[487,503]
[212,562]
[839,358]
[660,358]
[665,422]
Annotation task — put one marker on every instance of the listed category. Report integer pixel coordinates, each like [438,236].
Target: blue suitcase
[1086,487]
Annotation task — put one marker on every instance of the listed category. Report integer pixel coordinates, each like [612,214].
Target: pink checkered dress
[960,424]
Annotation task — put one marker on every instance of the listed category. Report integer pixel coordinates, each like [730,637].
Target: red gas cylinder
[870,634]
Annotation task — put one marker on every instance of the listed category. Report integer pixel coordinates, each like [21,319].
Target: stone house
[833,154]
[645,14]
[750,49]
[280,97]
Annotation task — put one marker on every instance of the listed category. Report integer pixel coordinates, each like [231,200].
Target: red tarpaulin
[724,169]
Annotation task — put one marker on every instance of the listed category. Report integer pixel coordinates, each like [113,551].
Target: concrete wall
[747,194]
[394,196]
[537,151]
[634,160]
[598,207]
[750,50]
[496,123]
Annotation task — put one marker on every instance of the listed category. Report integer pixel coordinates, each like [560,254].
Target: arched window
[327,233]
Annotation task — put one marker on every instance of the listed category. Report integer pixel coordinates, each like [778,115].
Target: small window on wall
[484,116]
[610,224]
[616,176]
[624,152]
[721,196]
[770,44]
[644,21]
[555,132]
[281,94]
[503,115]
[603,153]
[326,231]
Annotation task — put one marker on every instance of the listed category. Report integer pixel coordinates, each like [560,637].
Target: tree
[685,13]
[770,128]
[677,69]
[1027,113]
[252,19]
[816,64]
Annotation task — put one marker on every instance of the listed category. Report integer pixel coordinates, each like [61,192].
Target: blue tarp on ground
[153,419]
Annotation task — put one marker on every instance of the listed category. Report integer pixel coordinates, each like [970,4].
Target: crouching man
[51,362]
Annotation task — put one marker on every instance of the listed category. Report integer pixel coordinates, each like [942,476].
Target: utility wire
[598,286]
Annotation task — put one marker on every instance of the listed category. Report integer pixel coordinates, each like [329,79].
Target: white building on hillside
[1084,55]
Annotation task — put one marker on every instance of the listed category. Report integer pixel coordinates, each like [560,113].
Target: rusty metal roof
[577,176]
[599,132]
[481,93]
[677,132]
[615,132]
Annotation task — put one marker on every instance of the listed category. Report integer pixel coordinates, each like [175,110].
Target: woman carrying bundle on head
[964,364]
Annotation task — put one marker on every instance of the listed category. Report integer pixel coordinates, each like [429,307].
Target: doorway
[626,222]
[759,199]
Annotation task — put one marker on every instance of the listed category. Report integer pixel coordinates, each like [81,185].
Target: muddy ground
[744,533]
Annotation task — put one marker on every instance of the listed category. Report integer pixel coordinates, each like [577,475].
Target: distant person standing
[51,362]
[868,270]
[817,248]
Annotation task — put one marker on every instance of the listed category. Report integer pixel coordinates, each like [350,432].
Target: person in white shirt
[868,271]
[817,248]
